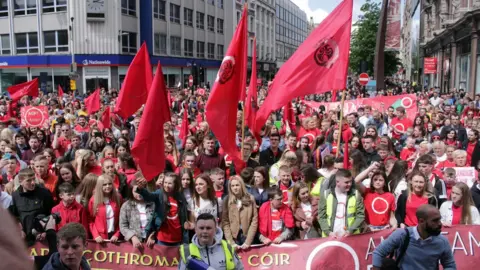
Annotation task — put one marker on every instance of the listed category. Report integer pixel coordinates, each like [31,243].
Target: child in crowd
[68,209]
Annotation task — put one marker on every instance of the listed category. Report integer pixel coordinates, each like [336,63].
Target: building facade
[42,38]
[449,33]
[291,29]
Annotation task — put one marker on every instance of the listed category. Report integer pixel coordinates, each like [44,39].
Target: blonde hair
[7,134]
[467,203]
[288,158]
[99,197]
[296,192]
[245,197]
[458,153]
[85,154]
[86,188]
[427,188]
[105,149]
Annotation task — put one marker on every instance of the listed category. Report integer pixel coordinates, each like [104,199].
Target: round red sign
[364,79]
[34,117]
[190,80]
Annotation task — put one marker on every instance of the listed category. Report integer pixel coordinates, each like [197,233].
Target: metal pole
[379,64]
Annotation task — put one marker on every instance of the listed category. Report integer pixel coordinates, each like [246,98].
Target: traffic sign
[364,79]
[190,80]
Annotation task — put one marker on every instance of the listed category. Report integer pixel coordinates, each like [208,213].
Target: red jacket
[72,213]
[265,219]
[98,223]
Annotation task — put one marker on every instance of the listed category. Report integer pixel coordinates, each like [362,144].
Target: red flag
[289,116]
[251,106]
[148,147]
[92,102]
[346,136]
[105,119]
[221,108]
[18,91]
[60,91]
[136,85]
[184,128]
[169,98]
[320,64]
[334,95]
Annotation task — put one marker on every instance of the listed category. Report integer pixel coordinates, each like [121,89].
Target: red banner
[392,38]
[354,252]
[380,103]
[34,116]
[430,65]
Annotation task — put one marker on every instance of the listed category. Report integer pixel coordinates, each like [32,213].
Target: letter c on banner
[348,248]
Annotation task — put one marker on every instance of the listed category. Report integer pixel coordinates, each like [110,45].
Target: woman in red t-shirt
[461,209]
[379,203]
[408,202]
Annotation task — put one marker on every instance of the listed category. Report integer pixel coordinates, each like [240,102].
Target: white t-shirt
[401,186]
[435,101]
[110,216]
[206,206]
[188,197]
[307,209]
[277,223]
[142,210]
[339,223]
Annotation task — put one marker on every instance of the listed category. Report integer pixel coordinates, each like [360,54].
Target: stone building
[449,33]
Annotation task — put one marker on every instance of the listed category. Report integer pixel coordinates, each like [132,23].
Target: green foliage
[364,39]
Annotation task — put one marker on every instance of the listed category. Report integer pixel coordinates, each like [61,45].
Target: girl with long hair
[204,199]
[85,189]
[171,152]
[451,138]
[188,185]
[379,203]
[417,193]
[460,209]
[135,215]
[51,158]
[305,209]
[66,173]
[240,215]
[104,211]
[260,185]
[357,160]
[127,166]
[86,162]
[172,220]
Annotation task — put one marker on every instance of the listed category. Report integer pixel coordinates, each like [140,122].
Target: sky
[319,9]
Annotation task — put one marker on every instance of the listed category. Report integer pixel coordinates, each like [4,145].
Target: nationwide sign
[87,62]
[348,253]
[3,64]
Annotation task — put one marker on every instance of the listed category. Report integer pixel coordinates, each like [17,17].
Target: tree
[364,39]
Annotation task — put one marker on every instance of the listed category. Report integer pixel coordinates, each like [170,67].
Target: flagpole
[243,128]
[340,123]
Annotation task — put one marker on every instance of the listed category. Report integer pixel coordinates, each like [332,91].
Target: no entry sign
[363,79]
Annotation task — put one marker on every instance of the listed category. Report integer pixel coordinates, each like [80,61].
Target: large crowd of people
[296,183]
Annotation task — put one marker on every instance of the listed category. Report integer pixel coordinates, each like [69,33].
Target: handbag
[393,264]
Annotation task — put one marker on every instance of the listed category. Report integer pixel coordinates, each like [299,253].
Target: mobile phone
[7,156]
[97,134]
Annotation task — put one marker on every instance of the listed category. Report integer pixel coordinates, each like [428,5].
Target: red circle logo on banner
[34,117]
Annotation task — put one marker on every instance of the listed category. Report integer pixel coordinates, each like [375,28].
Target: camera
[37,223]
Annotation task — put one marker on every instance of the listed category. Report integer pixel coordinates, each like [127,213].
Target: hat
[435,134]
[81,113]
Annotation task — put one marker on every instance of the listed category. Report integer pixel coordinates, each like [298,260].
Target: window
[54,5]
[26,43]
[211,50]
[211,2]
[129,42]
[55,41]
[175,45]
[24,7]
[160,46]
[129,7]
[5,44]
[188,47]
[200,49]
[220,51]
[4,8]
[220,26]
[220,4]
[174,13]
[200,20]
[211,23]
[188,17]
[159,9]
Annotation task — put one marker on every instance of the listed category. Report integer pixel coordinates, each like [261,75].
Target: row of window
[27,43]
[290,18]
[26,7]
[160,47]
[159,13]
[289,34]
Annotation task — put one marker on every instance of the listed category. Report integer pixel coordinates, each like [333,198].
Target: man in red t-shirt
[82,126]
[218,178]
[400,124]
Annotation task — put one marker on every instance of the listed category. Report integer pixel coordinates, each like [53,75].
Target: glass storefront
[11,76]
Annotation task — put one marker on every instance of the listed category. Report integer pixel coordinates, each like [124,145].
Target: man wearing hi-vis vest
[341,210]
[208,250]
